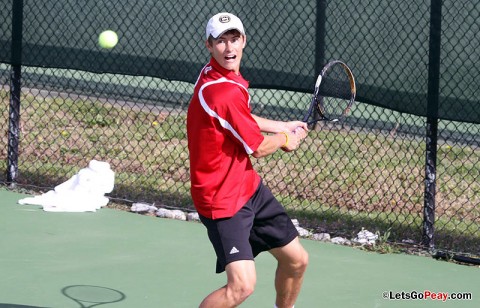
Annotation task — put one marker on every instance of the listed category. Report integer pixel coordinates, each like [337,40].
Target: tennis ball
[107,39]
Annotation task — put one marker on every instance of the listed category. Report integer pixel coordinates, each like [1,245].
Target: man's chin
[231,67]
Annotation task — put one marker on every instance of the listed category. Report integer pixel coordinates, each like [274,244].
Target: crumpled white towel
[83,192]
[366,237]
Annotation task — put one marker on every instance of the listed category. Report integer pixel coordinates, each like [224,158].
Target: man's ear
[209,47]
[244,41]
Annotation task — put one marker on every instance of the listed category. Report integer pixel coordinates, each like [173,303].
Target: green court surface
[50,259]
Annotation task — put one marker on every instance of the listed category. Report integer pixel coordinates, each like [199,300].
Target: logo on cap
[224,19]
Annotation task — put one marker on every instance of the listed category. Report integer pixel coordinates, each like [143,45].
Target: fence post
[15,91]
[432,123]
[320,36]
[320,41]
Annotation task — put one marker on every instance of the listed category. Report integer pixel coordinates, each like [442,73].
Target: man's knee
[304,261]
[300,263]
[241,280]
[241,290]
[296,265]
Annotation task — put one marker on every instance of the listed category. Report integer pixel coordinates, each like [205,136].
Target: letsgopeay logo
[224,19]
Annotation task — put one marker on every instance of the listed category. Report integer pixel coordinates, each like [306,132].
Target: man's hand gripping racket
[333,95]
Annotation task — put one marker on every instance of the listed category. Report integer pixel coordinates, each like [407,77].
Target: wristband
[286,137]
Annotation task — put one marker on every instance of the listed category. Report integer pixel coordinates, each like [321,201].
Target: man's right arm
[287,141]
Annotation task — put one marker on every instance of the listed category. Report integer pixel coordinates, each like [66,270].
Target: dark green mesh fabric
[386,43]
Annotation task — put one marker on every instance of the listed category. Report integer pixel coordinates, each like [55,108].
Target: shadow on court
[112,258]
[17,306]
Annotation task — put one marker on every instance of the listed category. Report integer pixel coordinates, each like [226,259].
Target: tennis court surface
[113,258]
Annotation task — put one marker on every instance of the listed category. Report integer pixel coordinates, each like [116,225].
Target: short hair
[232,31]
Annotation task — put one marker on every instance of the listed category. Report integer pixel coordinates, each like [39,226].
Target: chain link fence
[127,106]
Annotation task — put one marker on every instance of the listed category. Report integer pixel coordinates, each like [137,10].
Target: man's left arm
[287,135]
[272,126]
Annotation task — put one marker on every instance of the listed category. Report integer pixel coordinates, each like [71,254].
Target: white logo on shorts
[234,250]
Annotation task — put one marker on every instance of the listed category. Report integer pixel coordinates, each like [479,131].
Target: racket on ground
[91,296]
[333,95]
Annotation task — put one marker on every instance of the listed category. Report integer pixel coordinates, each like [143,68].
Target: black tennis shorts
[262,224]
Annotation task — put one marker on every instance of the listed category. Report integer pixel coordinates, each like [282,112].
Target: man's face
[227,50]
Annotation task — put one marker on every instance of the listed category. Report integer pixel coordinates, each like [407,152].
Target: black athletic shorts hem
[261,225]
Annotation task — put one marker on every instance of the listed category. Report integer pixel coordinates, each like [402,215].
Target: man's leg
[241,279]
[292,263]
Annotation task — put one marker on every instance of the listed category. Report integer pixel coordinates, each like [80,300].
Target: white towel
[83,192]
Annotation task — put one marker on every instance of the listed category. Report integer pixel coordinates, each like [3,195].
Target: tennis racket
[333,95]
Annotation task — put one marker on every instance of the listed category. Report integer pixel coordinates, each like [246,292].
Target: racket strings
[334,93]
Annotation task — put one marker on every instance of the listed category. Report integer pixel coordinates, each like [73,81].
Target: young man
[241,215]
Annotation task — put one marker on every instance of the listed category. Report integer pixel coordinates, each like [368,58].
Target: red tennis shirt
[221,136]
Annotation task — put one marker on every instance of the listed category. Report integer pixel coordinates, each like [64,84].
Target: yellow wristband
[286,137]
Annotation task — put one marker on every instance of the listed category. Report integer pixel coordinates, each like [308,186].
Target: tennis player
[240,213]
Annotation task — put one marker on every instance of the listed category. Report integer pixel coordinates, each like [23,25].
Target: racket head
[334,93]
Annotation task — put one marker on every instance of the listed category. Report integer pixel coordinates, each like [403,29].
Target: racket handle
[310,109]
[314,121]
[322,119]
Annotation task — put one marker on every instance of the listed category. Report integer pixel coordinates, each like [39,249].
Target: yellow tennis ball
[107,39]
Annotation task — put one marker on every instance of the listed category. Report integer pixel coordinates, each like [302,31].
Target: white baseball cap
[223,22]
